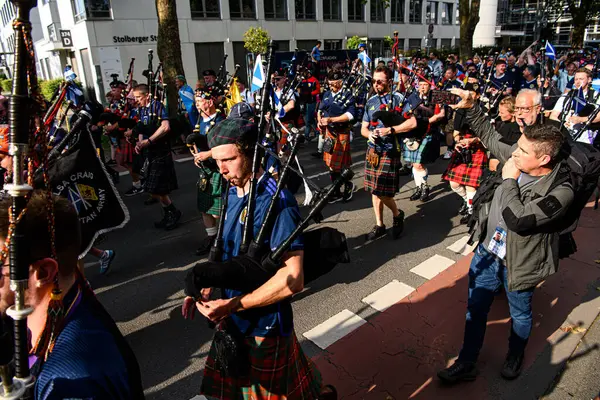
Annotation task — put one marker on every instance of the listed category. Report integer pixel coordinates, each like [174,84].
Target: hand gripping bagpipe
[323,248]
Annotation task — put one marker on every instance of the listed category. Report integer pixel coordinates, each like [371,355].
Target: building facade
[100,37]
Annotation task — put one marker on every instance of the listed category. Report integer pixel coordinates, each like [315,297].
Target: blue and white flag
[69,74]
[362,56]
[550,52]
[258,76]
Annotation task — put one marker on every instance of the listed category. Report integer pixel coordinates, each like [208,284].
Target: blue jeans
[486,275]
[309,118]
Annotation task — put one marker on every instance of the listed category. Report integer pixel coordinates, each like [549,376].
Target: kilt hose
[160,175]
[210,199]
[382,180]
[340,156]
[467,174]
[279,370]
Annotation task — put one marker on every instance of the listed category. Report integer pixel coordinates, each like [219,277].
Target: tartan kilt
[383,180]
[160,174]
[126,152]
[340,156]
[467,174]
[419,156]
[209,201]
[279,371]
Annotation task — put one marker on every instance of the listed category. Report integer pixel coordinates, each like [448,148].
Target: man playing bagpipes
[383,152]
[159,173]
[269,362]
[210,80]
[210,183]
[335,116]
[76,349]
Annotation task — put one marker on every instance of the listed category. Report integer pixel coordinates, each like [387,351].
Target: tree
[469,18]
[582,13]
[169,49]
[256,40]
[353,42]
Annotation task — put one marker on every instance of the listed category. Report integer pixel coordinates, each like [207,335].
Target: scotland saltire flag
[69,74]
[258,76]
[362,56]
[550,52]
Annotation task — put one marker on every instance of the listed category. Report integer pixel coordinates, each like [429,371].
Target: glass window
[457,20]
[52,36]
[415,12]
[414,44]
[242,9]
[446,43]
[275,9]
[91,9]
[332,10]
[305,9]
[398,11]
[333,44]
[356,10]
[377,11]
[205,9]
[447,9]
[431,12]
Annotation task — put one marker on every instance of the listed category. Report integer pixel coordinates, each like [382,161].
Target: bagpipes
[255,264]
[123,108]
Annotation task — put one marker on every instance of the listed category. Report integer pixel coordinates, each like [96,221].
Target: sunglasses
[378,82]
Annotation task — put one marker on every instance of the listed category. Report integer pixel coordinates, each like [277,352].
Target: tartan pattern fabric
[467,174]
[127,152]
[340,155]
[383,180]
[209,201]
[160,175]
[279,371]
[416,156]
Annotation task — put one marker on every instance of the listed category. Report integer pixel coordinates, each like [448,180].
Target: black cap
[207,92]
[335,75]
[241,111]
[115,84]
[472,87]
[209,72]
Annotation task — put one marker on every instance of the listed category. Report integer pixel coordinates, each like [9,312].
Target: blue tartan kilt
[423,154]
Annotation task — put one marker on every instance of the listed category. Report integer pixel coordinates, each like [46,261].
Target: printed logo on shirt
[243,216]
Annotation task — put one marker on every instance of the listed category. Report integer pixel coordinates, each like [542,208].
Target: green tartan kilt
[209,200]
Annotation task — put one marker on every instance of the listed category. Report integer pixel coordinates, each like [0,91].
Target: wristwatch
[392,130]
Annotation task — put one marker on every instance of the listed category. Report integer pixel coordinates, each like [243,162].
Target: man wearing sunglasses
[383,152]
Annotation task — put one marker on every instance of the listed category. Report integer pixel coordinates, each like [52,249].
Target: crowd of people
[503,118]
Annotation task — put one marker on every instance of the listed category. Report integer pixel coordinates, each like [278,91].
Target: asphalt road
[144,292]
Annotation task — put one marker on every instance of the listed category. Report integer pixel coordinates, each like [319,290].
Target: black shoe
[466,218]
[376,232]
[464,209]
[335,197]
[459,371]
[416,195]
[163,222]
[349,191]
[150,200]
[424,193]
[398,226]
[317,154]
[404,171]
[172,220]
[512,366]
[205,245]
[133,191]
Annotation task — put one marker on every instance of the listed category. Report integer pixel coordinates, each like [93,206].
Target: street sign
[430,29]
[65,37]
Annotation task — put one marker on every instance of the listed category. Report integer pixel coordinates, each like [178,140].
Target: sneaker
[317,154]
[172,220]
[376,232]
[512,366]
[447,155]
[424,193]
[349,191]
[459,371]
[398,226]
[335,197]
[106,259]
[150,200]
[133,191]
[464,209]
[416,195]
[466,218]
[205,245]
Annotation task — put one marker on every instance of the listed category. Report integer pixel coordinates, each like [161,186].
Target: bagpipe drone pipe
[75,171]
[324,248]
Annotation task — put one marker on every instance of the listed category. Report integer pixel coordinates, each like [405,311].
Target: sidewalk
[397,353]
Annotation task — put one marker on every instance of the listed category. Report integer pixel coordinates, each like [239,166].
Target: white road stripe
[461,246]
[335,328]
[387,296]
[123,173]
[432,266]
[199,397]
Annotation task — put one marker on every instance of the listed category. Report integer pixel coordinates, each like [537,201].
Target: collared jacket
[530,215]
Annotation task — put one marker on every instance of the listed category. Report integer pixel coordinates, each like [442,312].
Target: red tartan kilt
[340,155]
[467,174]
[126,152]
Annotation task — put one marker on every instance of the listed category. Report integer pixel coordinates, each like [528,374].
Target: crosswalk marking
[461,246]
[432,266]
[388,295]
[333,329]
[199,397]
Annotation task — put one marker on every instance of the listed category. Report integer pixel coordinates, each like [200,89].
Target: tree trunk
[469,18]
[169,49]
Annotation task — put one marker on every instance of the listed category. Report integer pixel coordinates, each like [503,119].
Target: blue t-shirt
[276,319]
[374,104]
[186,94]
[316,53]
[154,107]
[336,104]
[498,82]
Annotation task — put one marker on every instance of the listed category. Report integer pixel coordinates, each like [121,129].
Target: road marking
[461,246]
[385,297]
[432,266]
[335,328]
[327,172]
[123,173]
[199,397]
[184,159]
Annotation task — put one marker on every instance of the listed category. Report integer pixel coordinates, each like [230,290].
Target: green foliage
[388,41]
[49,87]
[256,40]
[5,85]
[353,42]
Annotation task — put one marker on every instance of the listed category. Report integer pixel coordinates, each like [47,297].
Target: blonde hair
[509,103]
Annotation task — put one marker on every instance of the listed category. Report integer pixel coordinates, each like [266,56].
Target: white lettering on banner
[82,191]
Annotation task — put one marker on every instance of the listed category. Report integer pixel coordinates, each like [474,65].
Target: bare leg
[378,208]
[391,204]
